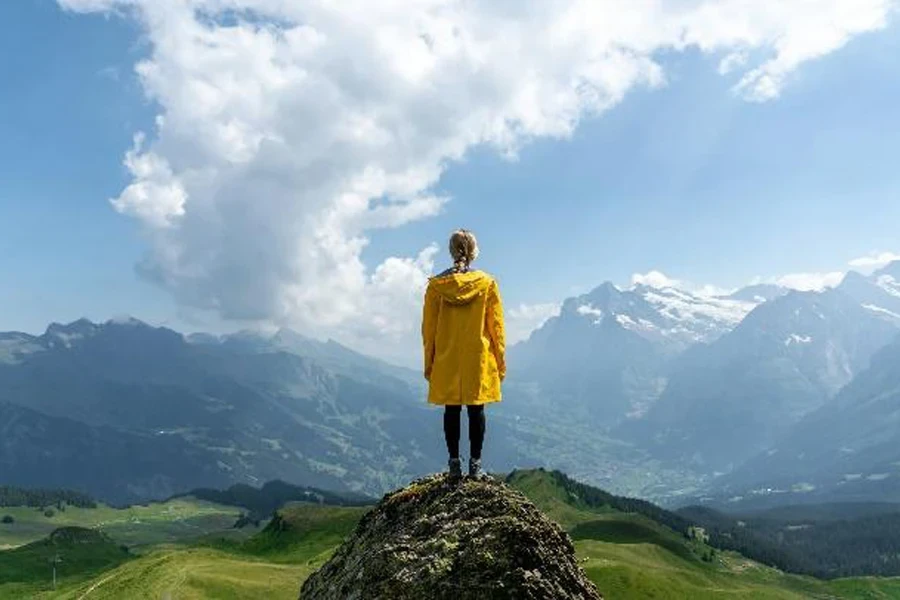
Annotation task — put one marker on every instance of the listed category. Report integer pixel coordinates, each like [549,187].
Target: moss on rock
[440,539]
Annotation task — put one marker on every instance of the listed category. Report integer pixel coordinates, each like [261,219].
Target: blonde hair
[463,249]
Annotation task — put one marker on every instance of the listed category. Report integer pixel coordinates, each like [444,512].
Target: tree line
[262,502]
[828,549]
[16,496]
[824,548]
[592,497]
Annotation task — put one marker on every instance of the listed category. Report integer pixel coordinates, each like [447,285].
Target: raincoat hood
[461,288]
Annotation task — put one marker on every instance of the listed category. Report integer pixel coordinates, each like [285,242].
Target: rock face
[436,539]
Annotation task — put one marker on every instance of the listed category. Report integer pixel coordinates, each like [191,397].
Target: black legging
[476,429]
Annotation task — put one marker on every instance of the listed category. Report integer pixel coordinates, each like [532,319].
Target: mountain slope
[849,449]
[237,414]
[826,541]
[78,553]
[37,450]
[878,293]
[734,398]
[605,356]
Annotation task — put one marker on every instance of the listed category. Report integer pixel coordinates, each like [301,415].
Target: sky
[216,165]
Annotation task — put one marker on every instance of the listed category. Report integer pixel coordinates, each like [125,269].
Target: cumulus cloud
[875,260]
[523,319]
[810,281]
[289,131]
[654,279]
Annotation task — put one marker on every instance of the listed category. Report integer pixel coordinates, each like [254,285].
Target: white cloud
[288,131]
[524,319]
[874,261]
[822,27]
[156,196]
[810,281]
[657,279]
[709,290]
[654,279]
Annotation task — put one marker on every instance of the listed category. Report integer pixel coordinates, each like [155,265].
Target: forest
[16,496]
[823,547]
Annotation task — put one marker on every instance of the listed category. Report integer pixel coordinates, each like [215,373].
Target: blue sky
[690,179]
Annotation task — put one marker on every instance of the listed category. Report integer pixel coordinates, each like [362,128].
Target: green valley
[177,520]
[627,554]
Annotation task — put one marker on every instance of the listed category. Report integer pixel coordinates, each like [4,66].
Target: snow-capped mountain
[683,319]
[605,356]
[878,293]
[729,400]
[673,318]
[759,293]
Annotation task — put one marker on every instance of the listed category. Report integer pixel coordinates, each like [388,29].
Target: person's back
[466,368]
[464,346]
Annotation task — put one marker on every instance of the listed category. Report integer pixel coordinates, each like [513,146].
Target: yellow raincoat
[463,338]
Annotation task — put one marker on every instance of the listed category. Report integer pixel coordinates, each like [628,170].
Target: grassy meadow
[626,555]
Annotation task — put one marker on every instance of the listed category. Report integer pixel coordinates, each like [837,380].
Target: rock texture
[436,539]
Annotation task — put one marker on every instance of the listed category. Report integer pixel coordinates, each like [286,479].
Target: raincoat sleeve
[496,329]
[429,327]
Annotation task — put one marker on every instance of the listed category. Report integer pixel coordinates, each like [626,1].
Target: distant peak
[249,334]
[853,276]
[126,320]
[606,289]
[892,269]
[758,293]
[81,326]
[286,333]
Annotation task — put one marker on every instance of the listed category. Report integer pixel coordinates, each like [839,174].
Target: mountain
[879,292]
[329,354]
[702,383]
[605,356]
[849,450]
[245,409]
[673,318]
[647,390]
[758,293]
[733,398]
[167,414]
[37,450]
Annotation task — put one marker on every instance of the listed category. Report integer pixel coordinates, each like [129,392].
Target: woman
[464,343]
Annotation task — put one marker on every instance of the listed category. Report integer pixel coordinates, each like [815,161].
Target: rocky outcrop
[439,539]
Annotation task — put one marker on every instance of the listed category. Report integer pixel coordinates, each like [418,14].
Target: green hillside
[76,553]
[302,532]
[178,520]
[272,564]
[627,554]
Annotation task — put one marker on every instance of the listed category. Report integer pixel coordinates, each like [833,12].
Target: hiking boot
[455,468]
[475,468]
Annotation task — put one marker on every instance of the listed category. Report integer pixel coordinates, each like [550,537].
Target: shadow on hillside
[628,532]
